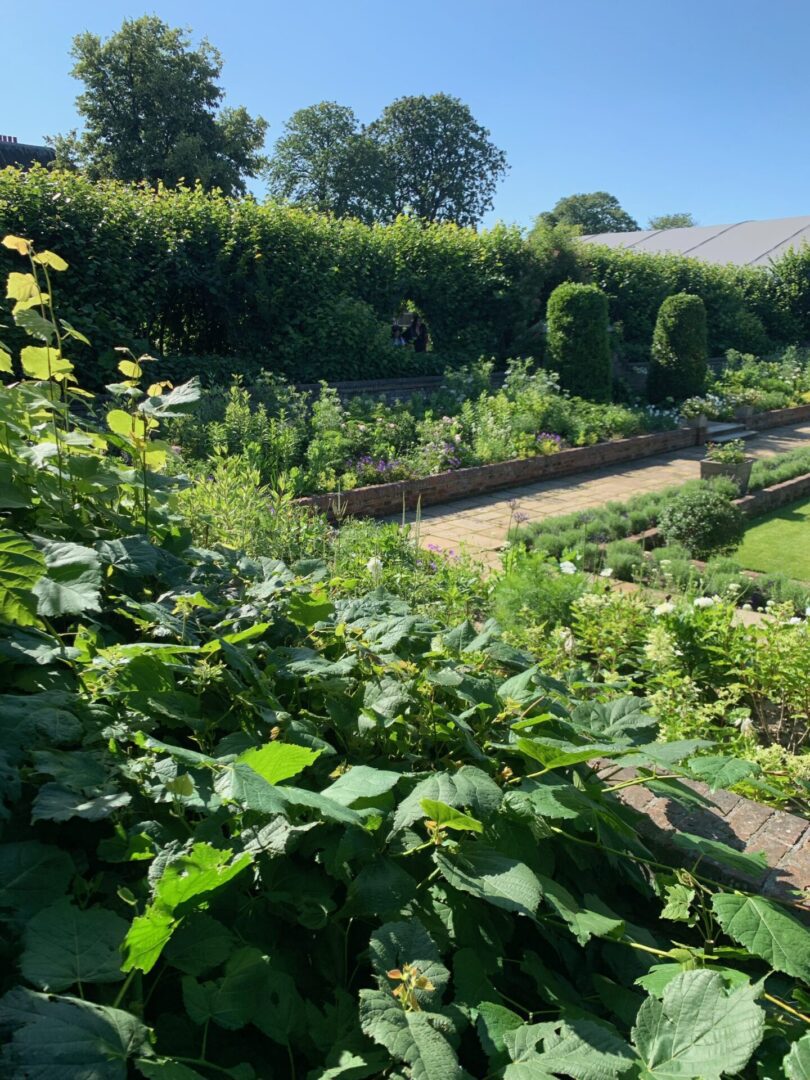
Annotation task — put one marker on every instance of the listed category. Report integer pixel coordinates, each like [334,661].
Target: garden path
[480,524]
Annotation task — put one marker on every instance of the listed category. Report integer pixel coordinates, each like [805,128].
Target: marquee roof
[746,243]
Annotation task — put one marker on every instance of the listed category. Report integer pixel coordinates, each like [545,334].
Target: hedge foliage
[679,349]
[578,347]
[220,285]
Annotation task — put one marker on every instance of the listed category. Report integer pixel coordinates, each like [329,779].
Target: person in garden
[420,336]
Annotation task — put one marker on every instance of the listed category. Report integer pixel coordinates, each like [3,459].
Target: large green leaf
[697,1029]
[797,1061]
[397,944]
[65,945]
[722,772]
[468,787]
[189,877]
[32,875]
[766,930]
[584,1050]
[72,583]
[557,753]
[488,875]
[752,863]
[21,566]
[419,1039]
[232,1000]
[587,918]
[65,1038]
[276,761]
[54,802]
[361,782]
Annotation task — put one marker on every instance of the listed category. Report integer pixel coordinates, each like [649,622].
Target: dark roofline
[24,154]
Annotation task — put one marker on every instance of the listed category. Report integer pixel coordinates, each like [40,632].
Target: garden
[285,798]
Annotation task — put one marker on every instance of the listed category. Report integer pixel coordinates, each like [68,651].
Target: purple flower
[520,517]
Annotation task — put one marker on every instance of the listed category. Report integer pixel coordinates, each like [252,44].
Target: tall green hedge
[232,283]
[220,284]
[679,352]
[578,347]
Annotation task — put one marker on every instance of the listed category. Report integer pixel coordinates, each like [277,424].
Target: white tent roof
[748,243]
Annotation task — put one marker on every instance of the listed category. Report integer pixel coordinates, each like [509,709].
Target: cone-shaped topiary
[678,363]
[578,348]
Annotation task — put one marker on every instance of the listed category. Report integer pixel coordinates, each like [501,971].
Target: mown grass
[779,542]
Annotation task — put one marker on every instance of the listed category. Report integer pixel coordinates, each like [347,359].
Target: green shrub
[625,558]
[703,519]
[679,349]
[533,593]
[577,336]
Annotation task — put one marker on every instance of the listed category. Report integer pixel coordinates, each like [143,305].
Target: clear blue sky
[700,105]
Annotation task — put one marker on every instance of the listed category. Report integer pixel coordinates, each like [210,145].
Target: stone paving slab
[481,524]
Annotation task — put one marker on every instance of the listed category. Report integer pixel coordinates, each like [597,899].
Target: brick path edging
[746,826]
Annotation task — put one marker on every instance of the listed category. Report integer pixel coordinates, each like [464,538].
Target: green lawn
[779,542]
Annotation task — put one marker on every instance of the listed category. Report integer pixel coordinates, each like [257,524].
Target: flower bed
[380,499]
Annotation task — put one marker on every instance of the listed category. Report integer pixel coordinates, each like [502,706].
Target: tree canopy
[325,160]
[440,163]
[424,155]
[596,212]
[152,110]
[672,221]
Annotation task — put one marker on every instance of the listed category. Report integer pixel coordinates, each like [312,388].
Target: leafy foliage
[344,839]
[704,520]
[597,212]
[152,111]
[679,349]
[578,348]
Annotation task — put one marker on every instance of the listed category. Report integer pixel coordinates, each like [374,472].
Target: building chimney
[8,138]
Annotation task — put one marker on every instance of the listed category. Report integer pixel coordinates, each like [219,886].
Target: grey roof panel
[747,243]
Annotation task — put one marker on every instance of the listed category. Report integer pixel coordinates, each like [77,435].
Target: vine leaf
[73,580]
[277,761]
[697,1030]
[21,567]
[797,1061]
[417,1038]
[498,879]
[31,874]
[67,1038]
[722,772]
[65,945]
[766,930]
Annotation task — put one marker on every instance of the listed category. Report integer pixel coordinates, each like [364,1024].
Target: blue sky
[697,105]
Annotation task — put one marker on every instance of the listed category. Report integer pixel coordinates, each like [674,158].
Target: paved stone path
[746,826]
[481,524]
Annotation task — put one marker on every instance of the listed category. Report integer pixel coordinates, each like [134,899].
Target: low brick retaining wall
[779,417]
[746,826]
[379,500]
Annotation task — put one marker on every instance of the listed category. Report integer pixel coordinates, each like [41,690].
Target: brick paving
[480,524]
[746,826]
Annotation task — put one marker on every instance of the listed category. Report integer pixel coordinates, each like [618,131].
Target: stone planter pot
[695,421]
[740,474]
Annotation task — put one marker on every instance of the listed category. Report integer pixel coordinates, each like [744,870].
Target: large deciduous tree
[596,212]
[439,162]
[672,221]
[152,110]
[325,160]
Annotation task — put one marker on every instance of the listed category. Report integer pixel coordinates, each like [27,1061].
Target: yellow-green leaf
[123,423]
[130,368]
[41,362]
[50,258]
[21,287]
[276,761]
[16,243]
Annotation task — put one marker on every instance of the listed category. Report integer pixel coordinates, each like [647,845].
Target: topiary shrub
[577,340]
[704,520]
[679,349]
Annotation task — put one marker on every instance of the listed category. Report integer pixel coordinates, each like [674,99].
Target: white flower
[733,586]
[374,566]
[567,568]
[607,572]
[807,612]
[795,620]
[704,601]
[664,609]
[747,607]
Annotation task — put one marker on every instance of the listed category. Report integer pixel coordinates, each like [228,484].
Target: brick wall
[779,417]
[381,499]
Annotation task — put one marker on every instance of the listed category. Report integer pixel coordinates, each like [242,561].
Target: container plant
[728,459]
[693,413]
